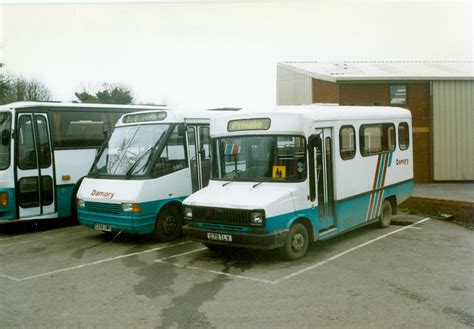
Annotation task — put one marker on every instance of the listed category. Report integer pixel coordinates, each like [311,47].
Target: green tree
[18,88]
[109,94]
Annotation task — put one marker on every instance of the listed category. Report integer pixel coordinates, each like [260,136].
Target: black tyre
[297,242]
[386,216]
[169,224]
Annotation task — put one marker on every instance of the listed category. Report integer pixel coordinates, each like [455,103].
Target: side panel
[356,176]
[64,199]
[353,211]
[8,212]
[73,163]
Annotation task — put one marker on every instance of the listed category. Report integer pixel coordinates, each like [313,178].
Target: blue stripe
[382,164]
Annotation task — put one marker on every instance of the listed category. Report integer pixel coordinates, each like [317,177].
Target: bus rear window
[82,129]
[377,138]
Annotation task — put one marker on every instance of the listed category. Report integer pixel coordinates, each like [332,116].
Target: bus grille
[222,216]
[111,208]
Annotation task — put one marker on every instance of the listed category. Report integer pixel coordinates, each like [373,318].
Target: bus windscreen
[128,150]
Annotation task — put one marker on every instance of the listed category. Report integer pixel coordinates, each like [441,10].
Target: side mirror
[6,137]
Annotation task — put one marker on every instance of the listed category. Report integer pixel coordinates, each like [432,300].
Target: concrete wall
[293,88]
[453,130]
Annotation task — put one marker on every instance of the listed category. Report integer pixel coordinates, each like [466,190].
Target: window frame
[382,150]
[340,142]
[408,136]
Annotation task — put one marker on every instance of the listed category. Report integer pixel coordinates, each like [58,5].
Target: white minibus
[293,175]
[46,148]
[150,163]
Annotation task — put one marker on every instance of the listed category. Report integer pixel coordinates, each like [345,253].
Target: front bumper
[124,223]
[246,240]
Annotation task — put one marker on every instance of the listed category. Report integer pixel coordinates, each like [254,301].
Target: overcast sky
[217,53]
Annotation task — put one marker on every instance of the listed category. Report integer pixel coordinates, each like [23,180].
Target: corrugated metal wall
[453,130]
[293,88]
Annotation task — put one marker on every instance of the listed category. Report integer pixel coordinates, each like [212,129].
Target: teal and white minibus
[46,148]
[284,178]
[150,163]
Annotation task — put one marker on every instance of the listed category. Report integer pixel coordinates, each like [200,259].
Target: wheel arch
[307,223]
[393,202]
[171,203]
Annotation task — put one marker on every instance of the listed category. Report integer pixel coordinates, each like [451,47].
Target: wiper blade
[255,185]
[140,158]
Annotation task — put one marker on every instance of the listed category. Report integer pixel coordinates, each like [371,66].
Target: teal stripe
[382,165]
[390,159]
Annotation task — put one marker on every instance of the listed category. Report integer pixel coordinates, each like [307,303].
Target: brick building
[440,96]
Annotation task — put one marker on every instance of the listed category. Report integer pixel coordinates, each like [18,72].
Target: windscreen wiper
[140,158]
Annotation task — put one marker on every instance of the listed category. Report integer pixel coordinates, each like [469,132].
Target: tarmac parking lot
[417,273]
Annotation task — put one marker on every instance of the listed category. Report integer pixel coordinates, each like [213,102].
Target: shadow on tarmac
[32,226]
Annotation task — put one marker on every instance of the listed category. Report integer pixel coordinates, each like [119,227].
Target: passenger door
[323,177]
[34,168]
[199,155]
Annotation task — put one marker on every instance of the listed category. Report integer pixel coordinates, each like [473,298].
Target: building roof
[384,70]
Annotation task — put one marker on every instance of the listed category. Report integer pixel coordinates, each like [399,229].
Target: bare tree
[17,88]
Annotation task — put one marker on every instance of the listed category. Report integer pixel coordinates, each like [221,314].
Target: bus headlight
[80,203]
[131,207]
[257,218]
[188,213]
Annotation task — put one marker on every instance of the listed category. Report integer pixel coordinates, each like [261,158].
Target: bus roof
[298,118]
[171,116]
[19,105]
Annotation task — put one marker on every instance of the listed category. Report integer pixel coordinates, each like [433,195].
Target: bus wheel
[169,224]
[296,243]
[386,216]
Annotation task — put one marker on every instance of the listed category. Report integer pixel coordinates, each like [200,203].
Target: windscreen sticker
[232,149]
[279,172]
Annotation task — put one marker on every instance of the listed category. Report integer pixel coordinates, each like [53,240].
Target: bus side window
[347,147]
[172,158]
[403,136]
[377,138]
[26,149]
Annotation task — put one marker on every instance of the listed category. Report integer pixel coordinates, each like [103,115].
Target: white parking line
[217,272]
[27,241]
[182,254]
[346,252]
[42,237]
[93,263]
[164,261]
[415,227]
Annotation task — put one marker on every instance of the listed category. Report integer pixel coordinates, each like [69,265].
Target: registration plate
[103,227]
[219,237]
